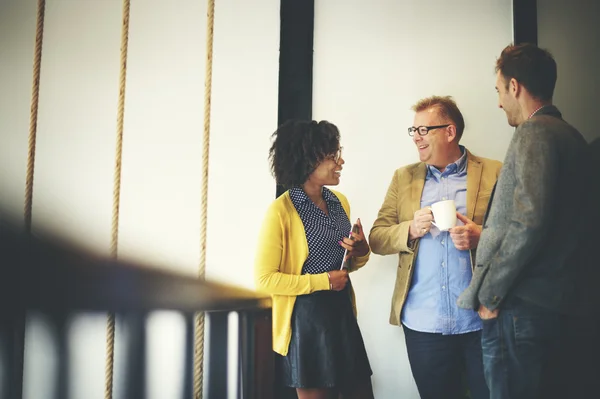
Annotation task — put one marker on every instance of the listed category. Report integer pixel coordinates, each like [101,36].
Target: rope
[199,333]
[33,115]
[114,241]
[19,350]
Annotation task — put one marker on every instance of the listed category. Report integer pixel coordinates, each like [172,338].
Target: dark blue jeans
[444,365]
[520,349]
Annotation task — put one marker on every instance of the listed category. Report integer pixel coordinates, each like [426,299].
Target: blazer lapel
[418,183]
[487,211]
[474,170]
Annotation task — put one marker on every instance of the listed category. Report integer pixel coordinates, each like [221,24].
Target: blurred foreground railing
[60,281]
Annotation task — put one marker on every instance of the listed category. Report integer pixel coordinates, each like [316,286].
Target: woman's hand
[338,279]
[356,244]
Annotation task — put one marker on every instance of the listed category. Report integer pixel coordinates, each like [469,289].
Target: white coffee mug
[444,214]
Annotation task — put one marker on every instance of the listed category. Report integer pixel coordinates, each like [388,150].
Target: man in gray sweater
[523,278]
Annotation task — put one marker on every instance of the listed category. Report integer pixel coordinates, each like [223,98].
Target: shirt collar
[329,196]
[457,166]
[298,195]
[536,111]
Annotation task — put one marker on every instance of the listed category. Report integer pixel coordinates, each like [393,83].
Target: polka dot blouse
[322,231]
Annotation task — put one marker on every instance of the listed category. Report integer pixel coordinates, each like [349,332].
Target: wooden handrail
[45,275]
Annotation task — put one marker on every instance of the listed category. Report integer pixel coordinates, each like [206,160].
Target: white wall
[569,29]
[162,147]
[17,36]
[371,63]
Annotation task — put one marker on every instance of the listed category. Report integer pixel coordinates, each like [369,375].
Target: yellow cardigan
[282,251]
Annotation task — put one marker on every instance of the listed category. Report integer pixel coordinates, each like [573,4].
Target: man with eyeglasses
[443,341]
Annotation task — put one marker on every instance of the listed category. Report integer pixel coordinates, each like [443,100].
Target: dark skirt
[326,349]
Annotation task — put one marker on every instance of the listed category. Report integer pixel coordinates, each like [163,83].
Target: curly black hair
[298,148]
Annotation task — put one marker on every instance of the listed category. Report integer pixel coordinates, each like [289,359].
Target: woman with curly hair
[303,243]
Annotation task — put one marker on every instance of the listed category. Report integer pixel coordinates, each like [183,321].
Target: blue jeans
[444,365]
[519,351]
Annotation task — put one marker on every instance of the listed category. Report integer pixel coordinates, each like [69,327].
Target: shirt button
[443,264]
[442,242]
[443,287]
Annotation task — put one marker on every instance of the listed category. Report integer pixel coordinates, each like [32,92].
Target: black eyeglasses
[423,130]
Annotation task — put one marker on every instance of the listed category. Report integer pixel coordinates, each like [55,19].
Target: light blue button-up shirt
[441,271]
